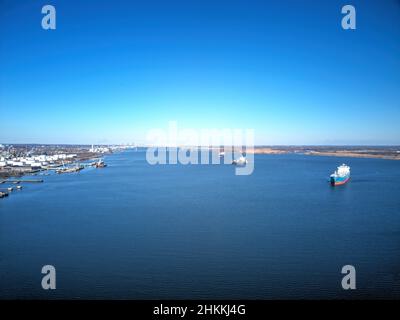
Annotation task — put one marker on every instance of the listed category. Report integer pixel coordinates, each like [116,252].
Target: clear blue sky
[114,69]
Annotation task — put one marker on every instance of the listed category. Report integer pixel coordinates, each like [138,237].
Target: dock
[23,181]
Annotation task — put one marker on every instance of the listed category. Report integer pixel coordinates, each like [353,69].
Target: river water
[140,231]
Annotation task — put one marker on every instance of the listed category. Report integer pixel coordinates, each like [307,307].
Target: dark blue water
[133,230]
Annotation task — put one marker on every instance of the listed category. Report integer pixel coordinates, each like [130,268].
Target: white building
[36,165]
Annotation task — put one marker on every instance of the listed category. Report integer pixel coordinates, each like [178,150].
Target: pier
[23,181]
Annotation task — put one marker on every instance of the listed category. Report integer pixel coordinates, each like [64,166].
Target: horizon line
[222,145]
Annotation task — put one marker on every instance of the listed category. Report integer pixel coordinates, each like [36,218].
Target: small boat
[340,176]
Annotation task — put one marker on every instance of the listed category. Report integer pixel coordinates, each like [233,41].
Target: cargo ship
[340,176]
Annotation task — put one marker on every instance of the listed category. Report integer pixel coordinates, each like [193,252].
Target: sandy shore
[389,153]
[262,150]
[354,155]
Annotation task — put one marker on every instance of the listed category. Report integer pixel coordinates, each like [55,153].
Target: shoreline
[352,155]
[82,155]
[22,172]
[30,159]
[387,153]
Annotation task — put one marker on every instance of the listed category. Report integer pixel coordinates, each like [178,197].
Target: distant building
[99,149]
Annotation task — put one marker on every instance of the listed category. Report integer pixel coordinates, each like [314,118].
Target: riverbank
[17,172]
[371,152]
[19,160]
[354,155]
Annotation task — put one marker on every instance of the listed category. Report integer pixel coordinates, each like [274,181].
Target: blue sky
[112,70]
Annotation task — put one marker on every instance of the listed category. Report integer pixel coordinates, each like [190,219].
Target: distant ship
[98,164]
[340,176]
[241,161]
[70,169]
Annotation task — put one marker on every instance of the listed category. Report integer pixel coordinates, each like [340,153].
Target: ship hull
[337,181]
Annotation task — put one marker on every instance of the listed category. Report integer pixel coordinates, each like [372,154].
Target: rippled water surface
[133,230]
